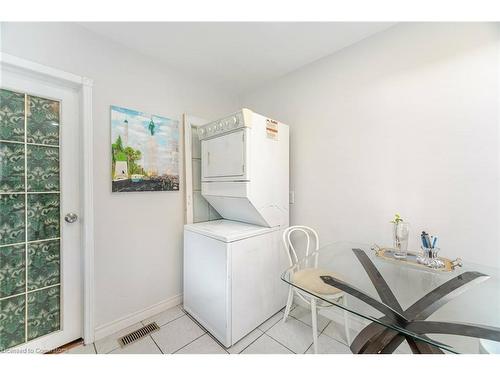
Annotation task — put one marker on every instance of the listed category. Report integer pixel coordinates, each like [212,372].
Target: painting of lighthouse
[145,151]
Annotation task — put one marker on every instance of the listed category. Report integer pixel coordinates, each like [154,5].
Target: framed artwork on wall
[145,151]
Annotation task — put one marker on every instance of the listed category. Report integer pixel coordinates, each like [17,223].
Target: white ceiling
[235,55]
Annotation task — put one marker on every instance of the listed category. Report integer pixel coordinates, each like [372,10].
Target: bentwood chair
[308,277]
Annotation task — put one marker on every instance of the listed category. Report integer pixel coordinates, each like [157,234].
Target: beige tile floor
[180,334]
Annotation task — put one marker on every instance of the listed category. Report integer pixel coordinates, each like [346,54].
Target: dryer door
[223,158]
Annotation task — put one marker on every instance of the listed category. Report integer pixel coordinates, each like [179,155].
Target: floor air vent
[138,334]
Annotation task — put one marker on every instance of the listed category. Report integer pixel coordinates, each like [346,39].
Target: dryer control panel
[225,125]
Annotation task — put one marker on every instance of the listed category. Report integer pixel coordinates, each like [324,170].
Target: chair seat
[309,279]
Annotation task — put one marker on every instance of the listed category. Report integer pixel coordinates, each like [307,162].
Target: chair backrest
[290,249]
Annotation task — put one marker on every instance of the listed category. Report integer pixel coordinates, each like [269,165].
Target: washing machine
[232,267]
[232,276]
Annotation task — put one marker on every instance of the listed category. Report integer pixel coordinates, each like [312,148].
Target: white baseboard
[128,320]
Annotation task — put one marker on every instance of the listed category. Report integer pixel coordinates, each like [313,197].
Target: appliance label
[272,129]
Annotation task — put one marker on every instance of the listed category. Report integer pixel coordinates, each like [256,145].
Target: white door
[40,252]
[224,156]
[197,208]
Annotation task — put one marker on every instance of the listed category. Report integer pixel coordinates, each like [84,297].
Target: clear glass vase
[400,236]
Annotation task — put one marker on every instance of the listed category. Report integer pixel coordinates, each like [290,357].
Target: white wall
[404,121]
[138,235]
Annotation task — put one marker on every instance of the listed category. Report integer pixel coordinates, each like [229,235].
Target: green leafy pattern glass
[43,216]
[11,116]
[43,168]
[29,218]
[12,225]
[42,121]
[43,264]
[12,324]
[43,312]
[12,270]
[11,167]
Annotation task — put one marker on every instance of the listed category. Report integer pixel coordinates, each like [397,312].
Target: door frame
[188,121]
[83,86]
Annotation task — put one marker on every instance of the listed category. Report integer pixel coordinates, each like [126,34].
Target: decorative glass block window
[29,218]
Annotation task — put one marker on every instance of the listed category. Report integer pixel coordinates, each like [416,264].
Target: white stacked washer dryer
[232,267]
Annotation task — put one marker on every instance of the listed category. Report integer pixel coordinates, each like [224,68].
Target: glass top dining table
[392,304]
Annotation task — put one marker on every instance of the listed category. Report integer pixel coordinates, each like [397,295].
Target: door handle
[71,217]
